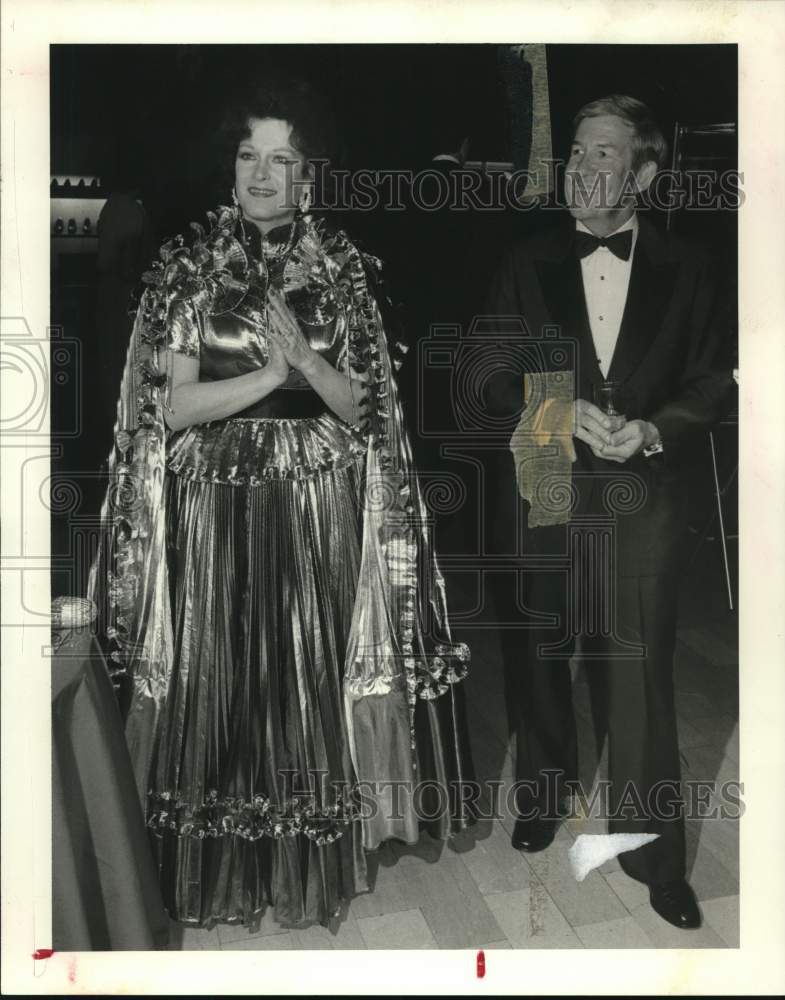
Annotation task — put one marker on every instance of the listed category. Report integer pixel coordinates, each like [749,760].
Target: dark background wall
[148,111]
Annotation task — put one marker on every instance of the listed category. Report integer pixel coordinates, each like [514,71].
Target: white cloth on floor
[592,850]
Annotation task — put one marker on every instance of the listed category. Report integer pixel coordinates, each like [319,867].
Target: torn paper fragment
[592,850]
[542,447]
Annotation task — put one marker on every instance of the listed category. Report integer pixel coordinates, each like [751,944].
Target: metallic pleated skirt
[250,801]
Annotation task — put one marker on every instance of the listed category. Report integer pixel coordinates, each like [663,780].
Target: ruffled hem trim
[255,919]
[250,819]
[427,677]
[251,451]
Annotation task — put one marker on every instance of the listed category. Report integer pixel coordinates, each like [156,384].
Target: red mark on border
[480,964]
[41,953]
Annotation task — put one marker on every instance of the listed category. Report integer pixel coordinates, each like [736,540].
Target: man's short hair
[648,142]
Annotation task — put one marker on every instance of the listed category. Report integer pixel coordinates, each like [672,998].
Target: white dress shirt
[606,279]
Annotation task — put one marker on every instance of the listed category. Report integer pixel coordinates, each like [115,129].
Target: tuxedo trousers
[586,598]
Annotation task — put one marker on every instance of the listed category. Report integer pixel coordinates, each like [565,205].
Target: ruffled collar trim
[273,242]
[230,266]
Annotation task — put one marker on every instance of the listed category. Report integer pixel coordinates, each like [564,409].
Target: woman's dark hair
[314,132]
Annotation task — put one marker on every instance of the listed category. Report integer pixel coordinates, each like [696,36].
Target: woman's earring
[304,203]
[235,199]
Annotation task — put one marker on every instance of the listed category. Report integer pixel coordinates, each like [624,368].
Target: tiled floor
[479,893]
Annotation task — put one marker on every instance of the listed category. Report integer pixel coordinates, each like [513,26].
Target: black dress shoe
[676,903]
[532,835]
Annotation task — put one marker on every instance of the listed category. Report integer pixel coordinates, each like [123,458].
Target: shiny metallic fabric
[263,582]
[253,755]
[252,451]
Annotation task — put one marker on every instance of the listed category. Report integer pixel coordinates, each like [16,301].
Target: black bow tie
[619,244]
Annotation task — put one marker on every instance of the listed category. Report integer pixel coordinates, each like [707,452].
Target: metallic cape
[400,662]
[128,578]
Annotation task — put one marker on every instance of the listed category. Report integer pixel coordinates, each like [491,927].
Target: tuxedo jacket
[672,358]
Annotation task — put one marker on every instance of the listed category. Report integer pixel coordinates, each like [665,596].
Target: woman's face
[270,174]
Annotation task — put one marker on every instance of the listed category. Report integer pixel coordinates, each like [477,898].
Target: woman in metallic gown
[265,571]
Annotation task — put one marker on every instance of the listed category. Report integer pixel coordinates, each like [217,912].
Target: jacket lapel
[652,281]
[561,283]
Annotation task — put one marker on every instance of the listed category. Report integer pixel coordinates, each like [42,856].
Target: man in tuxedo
[609,299]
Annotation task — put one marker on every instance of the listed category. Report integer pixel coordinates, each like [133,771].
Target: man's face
[600,162]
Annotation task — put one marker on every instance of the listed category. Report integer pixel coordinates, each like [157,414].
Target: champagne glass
[606,397]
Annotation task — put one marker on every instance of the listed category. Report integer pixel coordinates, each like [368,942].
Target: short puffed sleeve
[183,329]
